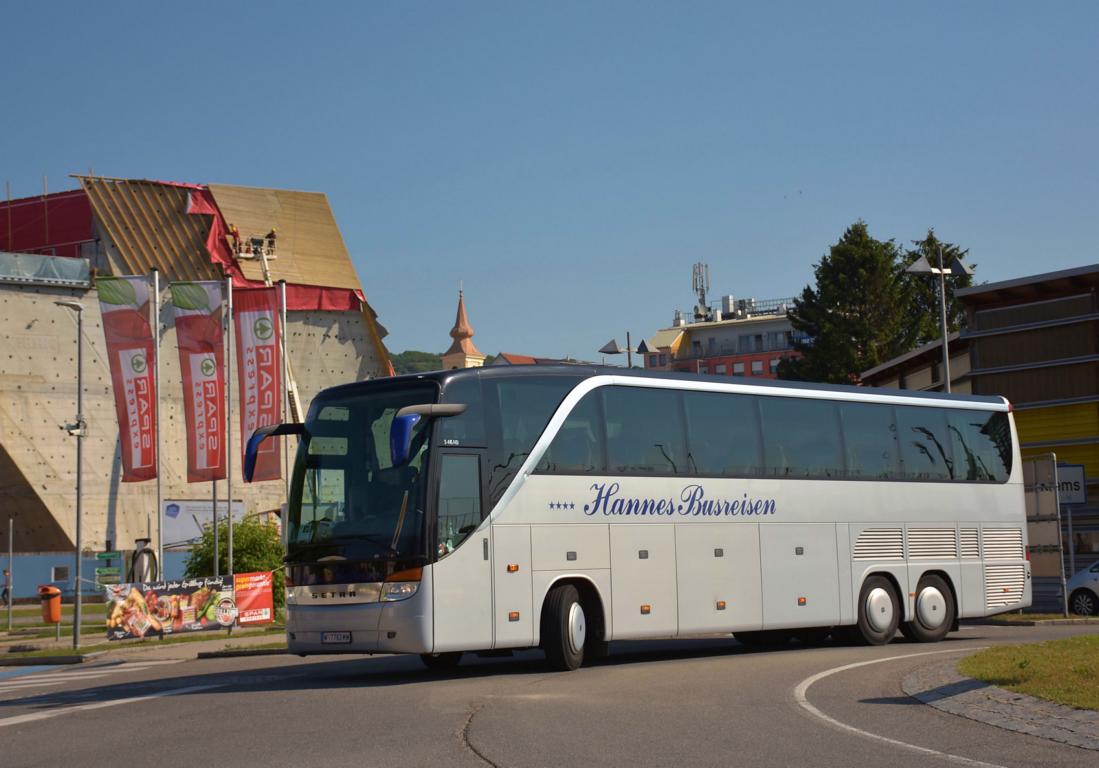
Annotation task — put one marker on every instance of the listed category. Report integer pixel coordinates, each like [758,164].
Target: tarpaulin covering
[52,224]
[198,317]
[124,304]
[259,372]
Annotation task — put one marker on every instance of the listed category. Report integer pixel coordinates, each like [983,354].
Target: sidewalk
[148,649]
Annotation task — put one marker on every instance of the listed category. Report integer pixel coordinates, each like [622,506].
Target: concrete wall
[38,394]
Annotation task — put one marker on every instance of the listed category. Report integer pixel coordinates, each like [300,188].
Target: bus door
[462,574]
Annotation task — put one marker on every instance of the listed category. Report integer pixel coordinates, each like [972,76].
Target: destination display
[138,609]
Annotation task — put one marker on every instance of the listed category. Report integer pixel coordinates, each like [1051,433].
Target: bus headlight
[401,585]
[399,590]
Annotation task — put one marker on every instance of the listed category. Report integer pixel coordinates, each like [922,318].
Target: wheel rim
[879,609]
[931,607]
[578,630]
[1083,604]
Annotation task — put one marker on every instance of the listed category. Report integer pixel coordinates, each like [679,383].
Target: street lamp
[612,348]
[76,429]
[957,268]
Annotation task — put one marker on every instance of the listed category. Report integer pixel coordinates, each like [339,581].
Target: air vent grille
[932,544]
[1004,585]
[971,543]
[1003,544]
[880,544]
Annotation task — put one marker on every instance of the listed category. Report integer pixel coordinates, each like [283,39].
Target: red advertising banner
[259,370]
[198,318]
[124,304]
[254,596]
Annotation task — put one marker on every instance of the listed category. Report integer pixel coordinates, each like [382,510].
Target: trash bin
[51,603]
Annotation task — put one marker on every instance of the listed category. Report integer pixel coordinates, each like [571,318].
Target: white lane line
[803,702]
[27,684]
[51,713]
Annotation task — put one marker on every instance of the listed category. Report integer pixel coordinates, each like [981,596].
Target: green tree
[858,314]
[923,290]
[257,546]
[412,361]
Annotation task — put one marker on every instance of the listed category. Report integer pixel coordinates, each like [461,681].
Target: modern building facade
[736,338]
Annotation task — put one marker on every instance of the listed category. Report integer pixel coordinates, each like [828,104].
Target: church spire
[462,352]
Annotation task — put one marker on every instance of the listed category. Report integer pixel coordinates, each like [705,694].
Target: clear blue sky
[570,161]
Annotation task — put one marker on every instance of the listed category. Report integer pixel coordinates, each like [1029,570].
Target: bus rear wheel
[440,662]
[879,611]
[934,614]
[564,628]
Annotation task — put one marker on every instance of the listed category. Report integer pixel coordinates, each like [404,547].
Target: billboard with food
[170,607]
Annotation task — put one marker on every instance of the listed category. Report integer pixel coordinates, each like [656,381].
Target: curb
[242,652]
[41,661]
[1030,622]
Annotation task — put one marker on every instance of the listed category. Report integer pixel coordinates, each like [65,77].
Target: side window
[801,437]
[524,407]
[467,428]
[723,434]
[644,431]
[459,510]
[870,437]
[981,443]
[578,447]
[925,443]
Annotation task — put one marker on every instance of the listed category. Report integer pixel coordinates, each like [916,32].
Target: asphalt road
[684,703]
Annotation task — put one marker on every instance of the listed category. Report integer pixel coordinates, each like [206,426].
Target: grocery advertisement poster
[139,610]
[254,598]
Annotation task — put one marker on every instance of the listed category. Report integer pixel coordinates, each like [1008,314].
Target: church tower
[462,353]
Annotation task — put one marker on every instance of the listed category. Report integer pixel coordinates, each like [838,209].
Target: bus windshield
[347,500]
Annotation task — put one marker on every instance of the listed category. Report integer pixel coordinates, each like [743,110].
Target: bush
[257,546]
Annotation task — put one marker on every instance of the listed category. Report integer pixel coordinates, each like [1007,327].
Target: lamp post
[76,429]
[957,268]
[612,348]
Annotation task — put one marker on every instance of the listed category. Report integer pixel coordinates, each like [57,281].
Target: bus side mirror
[405,421]
[252,448]
[400,437]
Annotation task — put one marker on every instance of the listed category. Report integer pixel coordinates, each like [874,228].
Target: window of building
[774,366]
[703,369]
[663,359]
[652,361]
[757,367]
[721,369]
[59,573]
[800,437]
[738,369]
[711,345]
[644,431]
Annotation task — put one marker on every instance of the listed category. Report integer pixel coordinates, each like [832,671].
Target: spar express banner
[124,305]
[198,319]
[192,605]
[259,373]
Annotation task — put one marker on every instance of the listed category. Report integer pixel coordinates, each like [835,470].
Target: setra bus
[564,507]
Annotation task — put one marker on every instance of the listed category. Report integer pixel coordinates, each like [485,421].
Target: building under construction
[52,247]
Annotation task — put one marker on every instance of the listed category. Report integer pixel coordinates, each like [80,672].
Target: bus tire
[564,628]
[934,612]
[441,662]
[879,611]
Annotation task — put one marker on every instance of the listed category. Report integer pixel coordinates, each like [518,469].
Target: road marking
[803,687]
[51,713]
[19,671]
[76,675]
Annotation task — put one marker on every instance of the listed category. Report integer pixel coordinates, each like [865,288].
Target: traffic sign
[113,570]
[108,555]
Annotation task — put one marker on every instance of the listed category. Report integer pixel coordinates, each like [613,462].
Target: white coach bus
[565,507]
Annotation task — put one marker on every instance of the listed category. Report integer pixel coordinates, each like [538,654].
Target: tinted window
[467,428]
[644,431]
[981,442]
[525,406]
[800,437]
[459,508]
[925,443]
[870,438]
[577,449]
[724,434]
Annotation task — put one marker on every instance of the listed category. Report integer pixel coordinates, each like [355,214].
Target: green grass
[150,643]
[1064,671]
[1013,617]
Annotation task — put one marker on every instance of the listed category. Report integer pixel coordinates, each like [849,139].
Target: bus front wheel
[564,628]
[879,611]
[934,611]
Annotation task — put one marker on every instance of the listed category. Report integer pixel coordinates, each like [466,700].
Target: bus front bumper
[401,626]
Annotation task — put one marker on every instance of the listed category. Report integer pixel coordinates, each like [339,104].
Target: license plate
[335,637]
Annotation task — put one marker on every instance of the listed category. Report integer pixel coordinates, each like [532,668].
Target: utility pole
[77,429]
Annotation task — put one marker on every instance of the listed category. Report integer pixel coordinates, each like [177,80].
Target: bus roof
[580,372]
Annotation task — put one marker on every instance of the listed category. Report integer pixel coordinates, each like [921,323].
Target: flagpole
[285,389]
[156,396]
[217,544]
[229,413]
